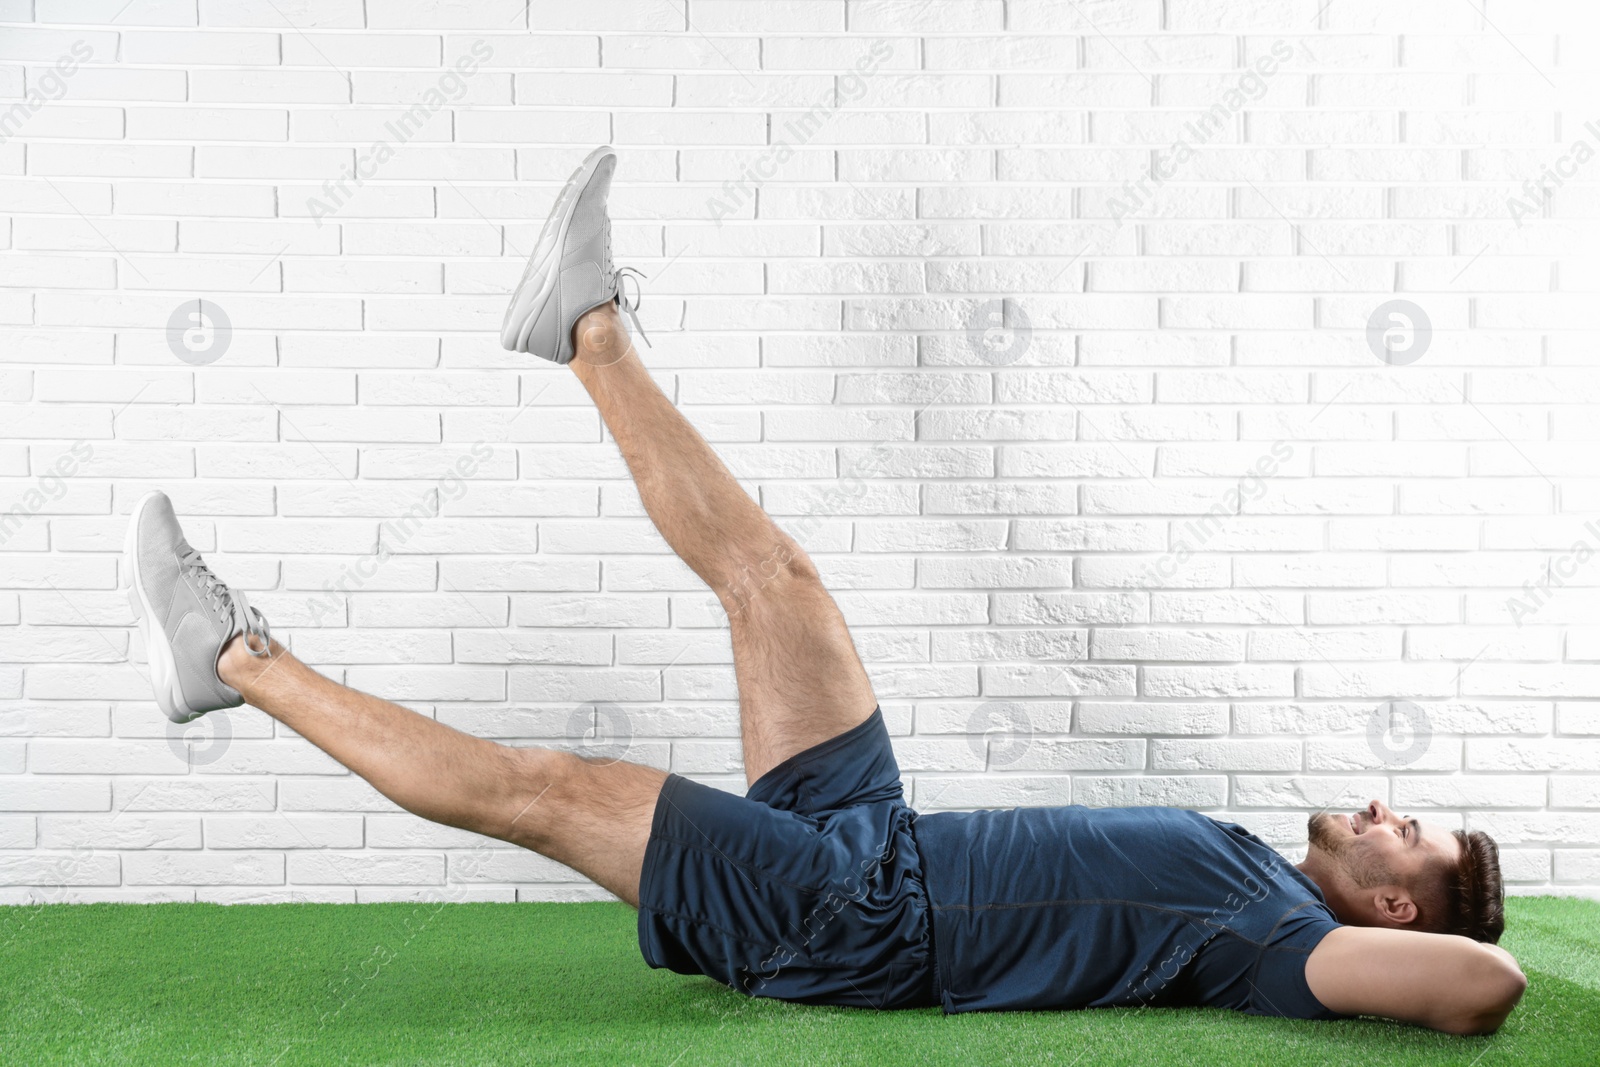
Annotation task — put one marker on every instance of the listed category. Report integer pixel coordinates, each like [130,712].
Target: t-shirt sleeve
[1278,985]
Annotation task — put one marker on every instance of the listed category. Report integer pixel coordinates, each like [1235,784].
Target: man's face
[1375,847]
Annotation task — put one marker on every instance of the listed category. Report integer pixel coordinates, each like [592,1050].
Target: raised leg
[800,680]
[592,816]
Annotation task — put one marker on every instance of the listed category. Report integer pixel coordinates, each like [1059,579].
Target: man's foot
[570,271]
[186,614]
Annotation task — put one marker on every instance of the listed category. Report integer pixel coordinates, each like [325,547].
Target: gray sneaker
[186,614]
[570,271]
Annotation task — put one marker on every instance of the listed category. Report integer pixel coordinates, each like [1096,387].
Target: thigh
[800,679]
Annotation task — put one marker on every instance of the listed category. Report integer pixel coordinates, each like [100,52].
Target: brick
[282,831]
[203,868]
[50,868]
[1183,791]
[119,831]
[1153,718]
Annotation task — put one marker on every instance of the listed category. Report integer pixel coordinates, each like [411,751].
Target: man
[821,885]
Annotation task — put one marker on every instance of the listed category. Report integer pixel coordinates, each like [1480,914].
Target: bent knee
[782,570]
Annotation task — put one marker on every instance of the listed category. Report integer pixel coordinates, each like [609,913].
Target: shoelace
[249,621]
[630,308]
[616,276]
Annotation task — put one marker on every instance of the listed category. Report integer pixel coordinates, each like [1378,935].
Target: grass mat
[563,983]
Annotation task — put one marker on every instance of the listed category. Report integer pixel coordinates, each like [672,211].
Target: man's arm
[1442,981]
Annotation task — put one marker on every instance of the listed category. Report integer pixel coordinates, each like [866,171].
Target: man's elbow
[1499,992]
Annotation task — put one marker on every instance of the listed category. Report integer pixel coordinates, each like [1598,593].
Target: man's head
[1376,868]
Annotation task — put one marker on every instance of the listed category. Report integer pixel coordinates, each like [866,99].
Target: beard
[1366,872]
[1320,831]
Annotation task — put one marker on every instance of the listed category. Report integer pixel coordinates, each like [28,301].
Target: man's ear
[1394,907]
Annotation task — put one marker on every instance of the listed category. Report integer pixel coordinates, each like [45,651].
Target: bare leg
[800,680]
[594,817]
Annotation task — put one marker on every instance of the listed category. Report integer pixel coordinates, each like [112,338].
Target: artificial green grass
[564,983]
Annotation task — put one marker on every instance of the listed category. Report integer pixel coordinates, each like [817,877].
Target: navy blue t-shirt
[1076,907]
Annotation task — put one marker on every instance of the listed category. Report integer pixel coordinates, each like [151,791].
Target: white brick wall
[1176,537]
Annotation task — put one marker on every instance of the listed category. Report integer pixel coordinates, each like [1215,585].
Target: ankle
[599,338]
[238,668]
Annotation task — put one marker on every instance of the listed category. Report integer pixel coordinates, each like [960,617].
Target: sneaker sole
[158,650]
[524,304]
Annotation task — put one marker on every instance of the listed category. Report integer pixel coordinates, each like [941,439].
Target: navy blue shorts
[808,888]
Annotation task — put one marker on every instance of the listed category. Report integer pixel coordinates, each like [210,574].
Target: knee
[796,566]
[533,784]
[780,568]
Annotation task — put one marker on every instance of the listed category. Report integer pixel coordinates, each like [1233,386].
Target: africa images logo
[45,88]
[199,332]
[1399,332]
[1536,194]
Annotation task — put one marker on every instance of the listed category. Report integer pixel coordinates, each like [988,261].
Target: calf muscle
[594,816]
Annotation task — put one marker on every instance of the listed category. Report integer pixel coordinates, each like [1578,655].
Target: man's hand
[1442,981]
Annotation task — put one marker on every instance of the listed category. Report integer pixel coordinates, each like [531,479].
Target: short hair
[1466,897]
